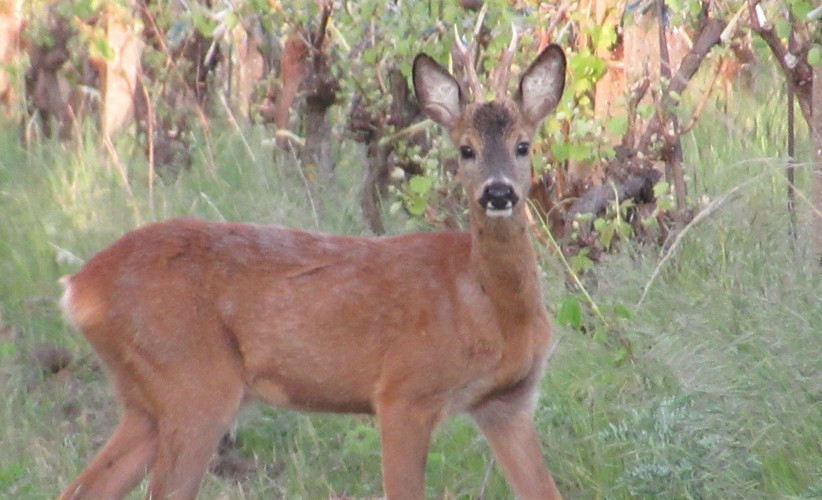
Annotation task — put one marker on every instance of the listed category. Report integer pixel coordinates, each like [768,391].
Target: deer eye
[522,148]
[467,152]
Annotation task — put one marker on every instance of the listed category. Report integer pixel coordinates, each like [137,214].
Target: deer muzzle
[498,198]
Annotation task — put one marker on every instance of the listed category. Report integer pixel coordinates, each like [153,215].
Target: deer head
[493,137]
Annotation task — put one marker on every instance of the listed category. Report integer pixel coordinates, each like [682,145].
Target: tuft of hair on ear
[438,93]
[542,84]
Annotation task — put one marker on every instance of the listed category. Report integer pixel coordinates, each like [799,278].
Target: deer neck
[505,263]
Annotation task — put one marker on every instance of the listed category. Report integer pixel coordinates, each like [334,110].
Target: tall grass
[719,398]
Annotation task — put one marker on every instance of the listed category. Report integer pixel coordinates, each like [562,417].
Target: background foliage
[689,371]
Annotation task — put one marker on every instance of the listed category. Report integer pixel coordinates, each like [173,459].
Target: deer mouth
[507,211]
[498,199]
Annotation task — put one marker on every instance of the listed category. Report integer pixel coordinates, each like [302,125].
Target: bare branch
[797,70]
[707,38]
[637,93]
[705,95]
[557,18]
[318,38]
[673,147]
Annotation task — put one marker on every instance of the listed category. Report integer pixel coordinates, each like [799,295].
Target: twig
[816,211]
[150,140]
[574,277]
[673,154]
[486,478]
[702,215]
[307,185]
[706,212]
[702,102]
[789,170]
[123,175]
[212,205]
[707,38]
[557,19]
[407,131]
[283,133]
[798,72]
[201,116]
[529,217]
[236,125]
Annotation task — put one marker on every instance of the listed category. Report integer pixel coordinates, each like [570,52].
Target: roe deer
[193,318]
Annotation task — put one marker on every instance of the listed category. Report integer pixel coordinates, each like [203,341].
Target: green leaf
[84,9]
[8,350]
[783,28]
[645,110]
[815,55]
[416,206]
[620,356]
[420,184]
[609,37]
[580,262]
[800,8]
[369,56]
[561,151]
[203,23]
[650,223]
[617,125]
[569,312]
[606,235]
[661,188]
[584,64]
[101,48]
[624,229]
[231,20]
[604,37]
[12,473]
[579,152]
[664,204]
[622,311]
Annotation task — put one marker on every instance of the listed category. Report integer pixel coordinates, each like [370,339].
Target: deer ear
[541,86]
[437,92]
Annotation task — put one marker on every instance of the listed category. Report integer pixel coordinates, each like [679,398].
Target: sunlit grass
[721,396]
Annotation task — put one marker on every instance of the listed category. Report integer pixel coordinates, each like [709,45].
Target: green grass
[720,398]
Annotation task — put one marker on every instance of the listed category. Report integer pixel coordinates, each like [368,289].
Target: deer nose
[498,199]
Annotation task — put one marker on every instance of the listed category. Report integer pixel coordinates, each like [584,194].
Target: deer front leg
[508,424]
[405,429]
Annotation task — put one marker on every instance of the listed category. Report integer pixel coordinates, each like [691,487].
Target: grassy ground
[720,397]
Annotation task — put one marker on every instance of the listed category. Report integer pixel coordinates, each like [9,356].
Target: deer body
[193,318]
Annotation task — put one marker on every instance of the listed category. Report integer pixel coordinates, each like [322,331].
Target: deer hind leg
[190,428]
[121,463]
[405,430]
[507,421]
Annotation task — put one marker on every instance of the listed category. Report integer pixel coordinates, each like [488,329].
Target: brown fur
[193,318]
